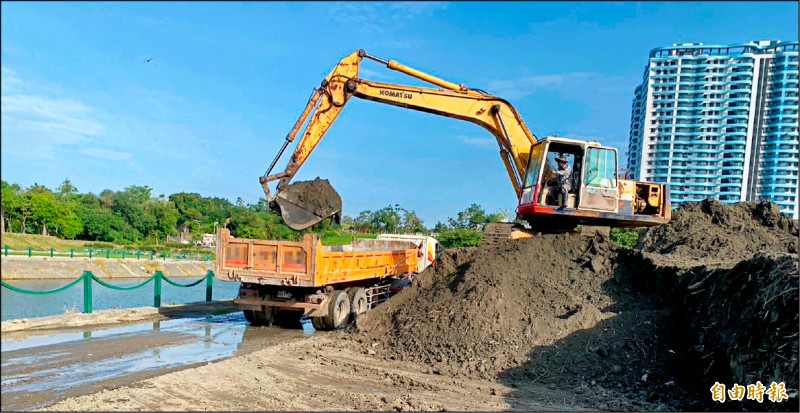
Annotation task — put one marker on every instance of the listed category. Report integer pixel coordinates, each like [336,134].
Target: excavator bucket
[305,204]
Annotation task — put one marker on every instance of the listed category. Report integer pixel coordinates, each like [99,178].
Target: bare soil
[554,322]
[722,234]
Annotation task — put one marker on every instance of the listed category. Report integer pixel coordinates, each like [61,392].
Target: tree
[166,216]
[386,219]
[102,225]
[107,199]
[134,204]
[364,220]
[90,200]
[10,204]
[68,223]
[44,207]
[412,223]
[474,217]
[66,190]
[348,220]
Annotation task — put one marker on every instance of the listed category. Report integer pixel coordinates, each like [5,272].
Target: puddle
[40,370]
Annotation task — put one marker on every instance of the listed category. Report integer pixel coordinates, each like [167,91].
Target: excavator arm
[454,101]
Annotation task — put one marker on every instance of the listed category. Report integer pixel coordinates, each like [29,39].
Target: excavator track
[496,232]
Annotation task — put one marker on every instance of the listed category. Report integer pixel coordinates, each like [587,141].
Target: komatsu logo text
[392,94]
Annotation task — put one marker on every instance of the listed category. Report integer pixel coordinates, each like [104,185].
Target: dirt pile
[710,232]
[740,324]
[482,310]
[711,296]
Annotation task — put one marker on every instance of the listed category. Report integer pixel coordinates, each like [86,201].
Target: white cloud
[35,123]
[419,7]
[479,142]
[107,154]
[371,17]
[8,78]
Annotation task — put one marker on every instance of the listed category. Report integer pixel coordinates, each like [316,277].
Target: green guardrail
[88,278]
[109,254]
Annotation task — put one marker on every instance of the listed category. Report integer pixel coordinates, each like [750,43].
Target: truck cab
[598,195]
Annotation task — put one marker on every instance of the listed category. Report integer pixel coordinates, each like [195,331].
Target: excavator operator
[562,181]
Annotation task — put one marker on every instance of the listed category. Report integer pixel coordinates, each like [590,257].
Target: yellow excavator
[599,198]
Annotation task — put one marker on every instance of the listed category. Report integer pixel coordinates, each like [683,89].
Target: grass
[344,239]
[45,242]
[18,245]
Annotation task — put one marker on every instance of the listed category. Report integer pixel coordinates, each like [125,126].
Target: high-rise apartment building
[719,122]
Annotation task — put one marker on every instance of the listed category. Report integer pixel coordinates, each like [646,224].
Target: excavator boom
[455,101]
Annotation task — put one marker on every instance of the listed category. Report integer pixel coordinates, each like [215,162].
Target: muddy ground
[556,322]
[41,367]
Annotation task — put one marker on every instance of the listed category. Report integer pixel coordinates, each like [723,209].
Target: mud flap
[321,312]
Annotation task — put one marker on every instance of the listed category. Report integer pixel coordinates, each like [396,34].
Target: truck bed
[308,263]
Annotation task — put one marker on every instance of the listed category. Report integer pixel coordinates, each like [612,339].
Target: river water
[15,305]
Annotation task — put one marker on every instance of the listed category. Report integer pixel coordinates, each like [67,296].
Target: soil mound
[709,297]
[741,323]
[709,232]
[482,310]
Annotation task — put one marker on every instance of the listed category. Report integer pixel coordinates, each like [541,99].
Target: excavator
[599,198]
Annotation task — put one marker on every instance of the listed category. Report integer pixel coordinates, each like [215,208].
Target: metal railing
[88,278]
[108,254]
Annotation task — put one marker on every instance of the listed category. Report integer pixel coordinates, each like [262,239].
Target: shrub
[460,238]
[627,237]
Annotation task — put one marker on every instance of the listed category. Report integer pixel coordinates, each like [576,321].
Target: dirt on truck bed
[555,322]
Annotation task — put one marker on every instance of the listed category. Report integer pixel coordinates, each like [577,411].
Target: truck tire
[320,323]
[338,313]
[250,316]
[266,315]
[358,302]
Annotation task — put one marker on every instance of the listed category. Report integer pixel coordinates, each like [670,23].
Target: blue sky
[228,80]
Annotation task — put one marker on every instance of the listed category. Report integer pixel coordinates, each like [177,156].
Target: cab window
[532,173]
[601,168]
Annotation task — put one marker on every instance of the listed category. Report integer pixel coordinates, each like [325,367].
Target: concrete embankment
[46,268]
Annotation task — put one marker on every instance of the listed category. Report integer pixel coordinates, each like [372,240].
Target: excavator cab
[594,175]
[598,196]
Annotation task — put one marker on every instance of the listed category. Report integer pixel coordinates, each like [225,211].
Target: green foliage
[135,219]
[474,217]
[460,238]
[627,237]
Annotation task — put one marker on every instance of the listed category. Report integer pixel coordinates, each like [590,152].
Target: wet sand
[42,368]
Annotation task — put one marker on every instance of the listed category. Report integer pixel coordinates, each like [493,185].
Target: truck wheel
[265,317]
[339,309]
[358,302]
[320,323]
[250,316]
[338,313]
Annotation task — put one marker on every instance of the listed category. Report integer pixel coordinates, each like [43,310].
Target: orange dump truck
[283,280]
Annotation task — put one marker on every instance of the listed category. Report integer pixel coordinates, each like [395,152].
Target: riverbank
[46,268]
